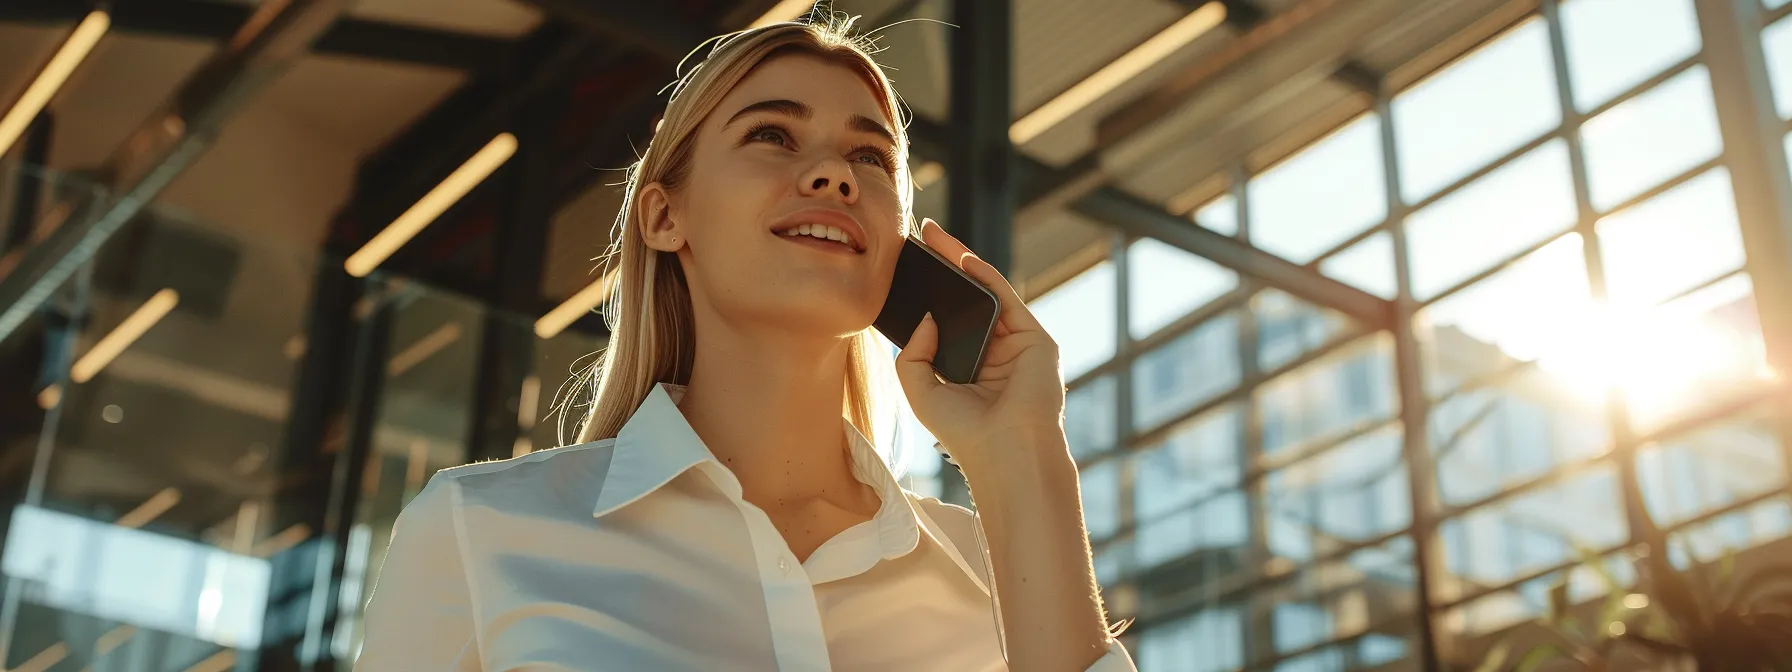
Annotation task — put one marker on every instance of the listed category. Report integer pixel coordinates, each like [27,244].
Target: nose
[830,177]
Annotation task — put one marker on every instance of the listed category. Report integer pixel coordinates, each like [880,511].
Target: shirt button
[784,565]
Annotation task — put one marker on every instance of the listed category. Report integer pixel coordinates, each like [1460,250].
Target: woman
[718,514]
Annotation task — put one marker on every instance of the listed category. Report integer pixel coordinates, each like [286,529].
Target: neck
[768,405]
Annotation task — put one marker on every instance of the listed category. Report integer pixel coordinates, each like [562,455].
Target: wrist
[1016,461]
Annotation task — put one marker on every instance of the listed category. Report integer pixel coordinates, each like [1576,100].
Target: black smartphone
[963,308]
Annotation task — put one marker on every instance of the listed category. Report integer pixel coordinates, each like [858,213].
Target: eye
[873,156]
[771,133]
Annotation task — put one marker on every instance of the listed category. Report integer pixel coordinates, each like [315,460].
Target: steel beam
[980,202]
[1753,136]
[274,37]
[642,25]
[214,20]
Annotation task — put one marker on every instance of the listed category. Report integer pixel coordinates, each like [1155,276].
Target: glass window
[1080,316]
[1726,535]
[1614,45]
[1324,660]
[1197,459]
[1353,492]
[1089,417]
[1370,590]
[1672,242]
[1526,602]
[1536,529]
[1218,522]
[1488,439]
[1511,209]
[1702,349]
[1535,308]
[1101,498]
[1210,640]
[1482,106]
[1165,283]
[1288,327]
[1219,215]
[1775,4]
[1183,373]
[1369,265]
[1329,396]
[1776,41]
[1712,466]
[1321,196]
[1646,140]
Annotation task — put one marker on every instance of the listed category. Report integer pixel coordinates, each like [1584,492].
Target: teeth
[821,231]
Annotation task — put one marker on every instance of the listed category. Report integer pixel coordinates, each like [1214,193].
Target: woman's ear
[659,228]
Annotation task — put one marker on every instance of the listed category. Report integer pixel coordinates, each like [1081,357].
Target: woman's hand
[1018,391]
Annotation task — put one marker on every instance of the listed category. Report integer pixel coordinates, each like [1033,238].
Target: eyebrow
[797,110]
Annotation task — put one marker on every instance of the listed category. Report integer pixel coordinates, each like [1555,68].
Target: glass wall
[1581,303]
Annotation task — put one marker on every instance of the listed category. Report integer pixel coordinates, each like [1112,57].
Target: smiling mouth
[821,237]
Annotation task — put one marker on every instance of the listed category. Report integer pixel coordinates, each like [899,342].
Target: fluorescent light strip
[788,10]
[45,659]
[122,336]
[286,539]
[423,349]
[55,74]
[563,315]
[527,402]
[432,205]
[112,639]
[218,662]
[1112,75]
[150,509]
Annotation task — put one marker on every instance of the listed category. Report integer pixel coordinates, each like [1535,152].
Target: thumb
[914,365]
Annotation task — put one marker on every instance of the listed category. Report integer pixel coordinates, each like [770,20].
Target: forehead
[830,87]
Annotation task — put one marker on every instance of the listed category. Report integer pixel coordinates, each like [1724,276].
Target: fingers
[1015,314]
[914,365]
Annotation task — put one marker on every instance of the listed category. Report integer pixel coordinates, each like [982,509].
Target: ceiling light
[1112,75]
[55,73]
[150,509]
[788,10]
[563,315]
[123,335]
[432,205]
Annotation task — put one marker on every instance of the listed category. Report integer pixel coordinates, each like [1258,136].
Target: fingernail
[928,317]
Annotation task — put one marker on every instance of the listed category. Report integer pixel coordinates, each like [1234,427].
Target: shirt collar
[657,444]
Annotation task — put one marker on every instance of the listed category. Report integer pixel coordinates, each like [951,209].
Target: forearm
[1031,510]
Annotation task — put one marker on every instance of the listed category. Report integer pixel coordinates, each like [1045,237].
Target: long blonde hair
[648,309]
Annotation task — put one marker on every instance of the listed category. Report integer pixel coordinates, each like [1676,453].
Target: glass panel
[1321,196]
[1210,640]
[1369,265]
[1775,4]
[1101,498]
[1219,215]
[1520,204]
[1080,316]
[1165,283]
[1736,535]
[1535,529]
[1614,45]
[1183,373]
[1288,328]
[1197,459]
[1776,41]
[1650,138]
[1475,110]
[1329,396]
[1702,349]
[1713,466]
[1371,591]
[1468,628]
[1672,242]
[1219,522]
[1089,417]
[1351,493]
[552,400]
[1488,439]
[1533,309]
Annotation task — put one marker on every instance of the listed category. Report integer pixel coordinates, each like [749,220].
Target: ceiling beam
[165,144]
[215,21]
[1113,207]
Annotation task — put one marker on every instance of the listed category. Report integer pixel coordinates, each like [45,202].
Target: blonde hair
[648,309]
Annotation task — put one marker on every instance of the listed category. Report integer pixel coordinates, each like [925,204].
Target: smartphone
[963,308]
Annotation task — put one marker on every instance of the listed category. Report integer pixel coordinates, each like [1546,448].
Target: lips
[831,229]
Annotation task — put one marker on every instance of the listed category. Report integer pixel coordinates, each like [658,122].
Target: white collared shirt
[638,553]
